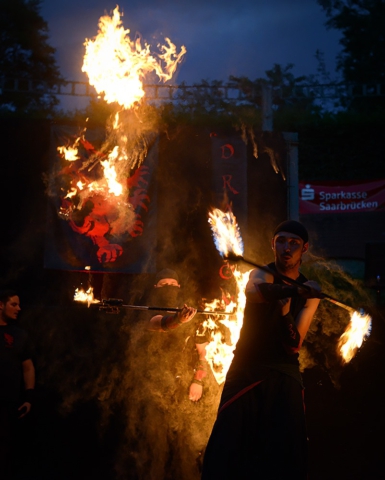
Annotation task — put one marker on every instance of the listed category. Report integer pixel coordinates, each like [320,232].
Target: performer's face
[288,249]
[10,309]
[166,293]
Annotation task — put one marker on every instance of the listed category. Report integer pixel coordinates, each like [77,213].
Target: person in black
[260,429]
[17,377]
[166,293]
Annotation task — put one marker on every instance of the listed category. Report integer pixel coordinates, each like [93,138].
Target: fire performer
[260,429]
[168,282]
[16,367]
[166,294]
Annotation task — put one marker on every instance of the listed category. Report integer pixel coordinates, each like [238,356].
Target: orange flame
[85,296]
[227,239]
[116,65]
[69,153]
[226,233]
[219,352]
[355,334]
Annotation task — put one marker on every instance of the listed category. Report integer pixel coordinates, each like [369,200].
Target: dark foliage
[28,70]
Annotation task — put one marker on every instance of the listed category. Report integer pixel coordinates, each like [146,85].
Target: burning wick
[85,296]
[355,334]
[226,233]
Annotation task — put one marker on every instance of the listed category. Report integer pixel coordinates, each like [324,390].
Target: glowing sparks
[85,296]
[227,236]
[116,65]
[355,334]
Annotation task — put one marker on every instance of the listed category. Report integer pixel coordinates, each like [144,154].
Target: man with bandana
[166,294]
[260,429]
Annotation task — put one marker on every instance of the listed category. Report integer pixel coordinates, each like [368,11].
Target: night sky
[223,38]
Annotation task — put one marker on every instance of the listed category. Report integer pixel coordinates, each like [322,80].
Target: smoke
[138,380]
[330,320]
[108,370]
[165,432]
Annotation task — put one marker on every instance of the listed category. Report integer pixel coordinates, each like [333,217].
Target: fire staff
[260,429]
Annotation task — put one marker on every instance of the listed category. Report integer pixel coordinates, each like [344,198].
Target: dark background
[68,436]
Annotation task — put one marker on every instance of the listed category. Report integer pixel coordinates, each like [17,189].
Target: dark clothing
[260,430]
[14,350]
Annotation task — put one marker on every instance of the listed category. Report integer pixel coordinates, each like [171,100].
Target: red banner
[88,228]
[341,197]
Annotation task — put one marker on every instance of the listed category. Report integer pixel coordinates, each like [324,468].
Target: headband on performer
[166,273]
[292,226]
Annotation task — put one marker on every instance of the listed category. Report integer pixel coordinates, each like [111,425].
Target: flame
[219,351]
[110,172]
[355,334]
[69,153]
[227,238]
[85,296]
[102,182]
[226,233]
[71,193]
[116,65]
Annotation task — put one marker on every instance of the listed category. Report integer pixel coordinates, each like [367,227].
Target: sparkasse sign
[341,197]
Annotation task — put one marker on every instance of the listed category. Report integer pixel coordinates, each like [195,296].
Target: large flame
[356,332]
[108,185]
[116,65]
[227,238]
[219,351]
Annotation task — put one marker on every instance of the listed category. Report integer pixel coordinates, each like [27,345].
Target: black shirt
[13,351]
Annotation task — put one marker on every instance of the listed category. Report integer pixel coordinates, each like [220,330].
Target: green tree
[362,59]
[28,69]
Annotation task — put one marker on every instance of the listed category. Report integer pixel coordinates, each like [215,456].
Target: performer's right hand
[186,314]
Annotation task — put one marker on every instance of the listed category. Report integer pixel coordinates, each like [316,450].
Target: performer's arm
[196,387]
[29,385]
[295,330]
[252,291]
[164,323]
[260,289]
